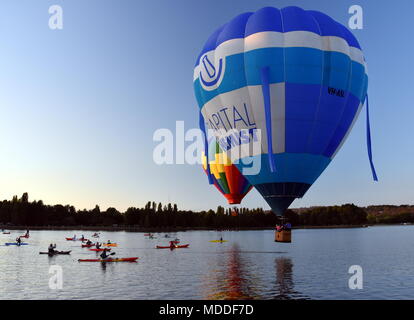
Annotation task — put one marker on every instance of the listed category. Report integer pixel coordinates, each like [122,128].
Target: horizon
[212,208]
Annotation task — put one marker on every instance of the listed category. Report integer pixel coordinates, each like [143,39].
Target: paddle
[111,254]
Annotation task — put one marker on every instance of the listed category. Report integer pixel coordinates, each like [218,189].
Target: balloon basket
[283,236]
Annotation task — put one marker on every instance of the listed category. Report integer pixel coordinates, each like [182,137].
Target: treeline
[348,214]
[19,211]
[387,214]
[22,212]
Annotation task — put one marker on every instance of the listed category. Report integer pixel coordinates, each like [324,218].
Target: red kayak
[25,236]
[99,250]
[110,260]
[88,245]
[175,247]
[71,239]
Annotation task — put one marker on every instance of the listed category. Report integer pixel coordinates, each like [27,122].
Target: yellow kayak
[220,241]
[110,244]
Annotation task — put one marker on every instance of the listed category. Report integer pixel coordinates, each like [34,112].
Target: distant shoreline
[167,229]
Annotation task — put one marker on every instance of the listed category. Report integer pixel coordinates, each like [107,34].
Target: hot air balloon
[225,176]
[299,78]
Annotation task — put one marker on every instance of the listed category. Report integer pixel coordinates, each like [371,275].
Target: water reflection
[234,275]
[284,289]
[232,281]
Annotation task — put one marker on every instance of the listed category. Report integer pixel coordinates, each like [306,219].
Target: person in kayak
[172,245]
[89,242]
[221,239]
[109,242]
[74,237]
[98,245]
[82,238]
[51,249]
[18,241]
[104,254]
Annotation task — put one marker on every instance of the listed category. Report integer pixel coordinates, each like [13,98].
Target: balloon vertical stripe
[374,174]
[203,129]
[268,115]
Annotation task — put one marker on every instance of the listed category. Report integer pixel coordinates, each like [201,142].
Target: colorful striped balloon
[226,177]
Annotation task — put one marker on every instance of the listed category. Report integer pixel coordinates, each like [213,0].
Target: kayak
[6,232]
[110,244]
[15,244]
[147,234]
[99,250]
[25,236]
[56,253]
[71,239]
[88,245]
[219,241]
[110,260]
[168,247]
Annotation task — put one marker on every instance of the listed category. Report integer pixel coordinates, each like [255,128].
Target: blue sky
[79,106]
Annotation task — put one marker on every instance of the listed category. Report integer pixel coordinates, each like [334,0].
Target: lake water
[250,266]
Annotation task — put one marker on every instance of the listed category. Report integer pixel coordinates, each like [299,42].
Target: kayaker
[98,245]
[104,255]
[74,237]
[221,239]
[109,242]
[89,242]
[19,241]
[172,245]
[51,249]
[82,238]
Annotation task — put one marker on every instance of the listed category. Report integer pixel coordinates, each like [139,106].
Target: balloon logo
[299,77]
[210,71]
